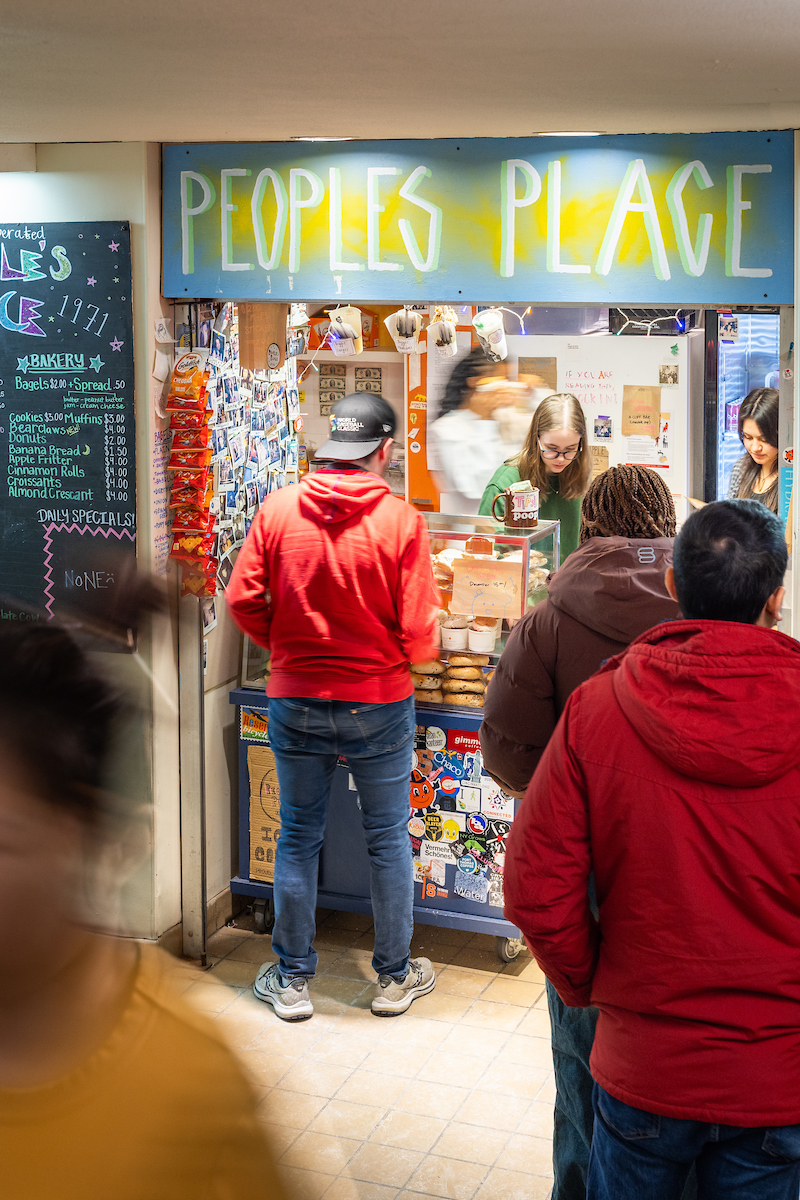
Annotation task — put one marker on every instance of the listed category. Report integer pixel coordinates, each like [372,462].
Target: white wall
[122,181]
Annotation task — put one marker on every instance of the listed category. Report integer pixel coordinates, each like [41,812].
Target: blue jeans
[307,738]
[637,1155]
[572,1032]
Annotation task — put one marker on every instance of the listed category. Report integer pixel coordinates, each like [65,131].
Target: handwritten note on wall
[641,410]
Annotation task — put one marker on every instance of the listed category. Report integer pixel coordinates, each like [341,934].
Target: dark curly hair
[627,501]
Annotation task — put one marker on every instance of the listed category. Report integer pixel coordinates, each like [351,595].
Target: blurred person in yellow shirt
[110,1085]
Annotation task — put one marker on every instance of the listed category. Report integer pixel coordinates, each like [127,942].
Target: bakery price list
[67,437]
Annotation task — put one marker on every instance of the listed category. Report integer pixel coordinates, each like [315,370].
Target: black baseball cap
[359,424]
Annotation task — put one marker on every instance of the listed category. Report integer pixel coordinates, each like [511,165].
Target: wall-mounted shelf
[373,356]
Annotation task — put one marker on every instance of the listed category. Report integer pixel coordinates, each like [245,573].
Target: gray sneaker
[393,998]
[290,1000]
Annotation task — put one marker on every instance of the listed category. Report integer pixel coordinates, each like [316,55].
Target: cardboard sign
[599,460]
[487,588]
[265,813]
[641,411]
[543,372]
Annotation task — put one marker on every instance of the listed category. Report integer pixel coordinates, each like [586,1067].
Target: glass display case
[255,665]
[488,575]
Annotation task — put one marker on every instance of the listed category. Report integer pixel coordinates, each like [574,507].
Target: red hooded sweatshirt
[335,579]
[674,774]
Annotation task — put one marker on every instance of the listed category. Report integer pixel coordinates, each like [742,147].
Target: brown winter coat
[608,592]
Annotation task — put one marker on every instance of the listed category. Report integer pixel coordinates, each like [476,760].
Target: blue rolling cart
[457,832]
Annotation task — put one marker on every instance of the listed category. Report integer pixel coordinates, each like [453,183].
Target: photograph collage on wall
[235,441]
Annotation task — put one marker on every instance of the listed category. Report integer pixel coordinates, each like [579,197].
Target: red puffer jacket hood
[332,495]
[706,696]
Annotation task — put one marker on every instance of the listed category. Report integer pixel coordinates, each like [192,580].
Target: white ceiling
[261,70]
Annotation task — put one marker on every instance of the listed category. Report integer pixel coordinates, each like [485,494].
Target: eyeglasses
[567,455]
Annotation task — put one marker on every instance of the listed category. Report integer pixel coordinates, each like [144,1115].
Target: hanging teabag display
[404,328]
[442,331]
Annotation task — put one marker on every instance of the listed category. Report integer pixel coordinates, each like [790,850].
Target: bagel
[464,673]
[429,697]
[463,685]
[432,666]
[467,700]
[468,660]
[425,683]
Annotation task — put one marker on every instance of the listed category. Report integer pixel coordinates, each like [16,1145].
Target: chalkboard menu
[67,446]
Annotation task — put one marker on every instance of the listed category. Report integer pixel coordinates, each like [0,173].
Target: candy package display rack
[488,576]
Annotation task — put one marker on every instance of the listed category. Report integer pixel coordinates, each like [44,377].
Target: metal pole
[193,783]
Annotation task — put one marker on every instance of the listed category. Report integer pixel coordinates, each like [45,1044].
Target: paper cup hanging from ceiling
[488,325]
[345,334]
[404,328]
[443,336]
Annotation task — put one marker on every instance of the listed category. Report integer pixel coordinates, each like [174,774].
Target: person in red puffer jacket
[335,579]
[674,777]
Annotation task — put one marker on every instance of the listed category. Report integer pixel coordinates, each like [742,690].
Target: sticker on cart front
[435,738]
[436,872]
[434,826]
[468,864]
[495,893]
[419,876]
[469,799]
[451,830]
[430,850]
[495,802]
[477,823]
[416,827]
[449,785]
[471,887]
[254,726]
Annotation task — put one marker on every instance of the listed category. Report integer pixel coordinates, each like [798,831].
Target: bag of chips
[193,520]
[199,579]
[189,377]
[191,495]
[192,439]
[189,460]
[188,418]
[194,547]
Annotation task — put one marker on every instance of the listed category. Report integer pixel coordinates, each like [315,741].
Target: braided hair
[627,501]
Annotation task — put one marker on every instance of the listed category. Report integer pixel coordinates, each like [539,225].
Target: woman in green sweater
[556,459]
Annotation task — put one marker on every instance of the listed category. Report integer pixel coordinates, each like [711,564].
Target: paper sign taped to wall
[265,813]
[599,460]
[543,372]
[641,409]
[487,588]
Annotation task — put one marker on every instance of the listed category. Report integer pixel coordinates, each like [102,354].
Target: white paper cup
[482,640]
[406,343]
[349,315]
[455,639]
[442,334]
[489,327]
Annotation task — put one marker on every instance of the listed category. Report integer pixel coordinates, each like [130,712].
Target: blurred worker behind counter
[482,421]
[110,1086]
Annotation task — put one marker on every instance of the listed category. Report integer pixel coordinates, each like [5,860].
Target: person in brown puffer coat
[609,591]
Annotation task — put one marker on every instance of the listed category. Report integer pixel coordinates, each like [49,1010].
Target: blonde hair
[560,411]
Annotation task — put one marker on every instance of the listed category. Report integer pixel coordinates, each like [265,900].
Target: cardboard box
[265,815]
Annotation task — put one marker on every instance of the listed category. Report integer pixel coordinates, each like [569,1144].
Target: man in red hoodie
[674,777]
[335,579]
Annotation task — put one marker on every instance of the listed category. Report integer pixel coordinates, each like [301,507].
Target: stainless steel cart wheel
[508,948]
[264,914]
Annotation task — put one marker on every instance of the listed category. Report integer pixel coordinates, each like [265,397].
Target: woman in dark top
[755,475]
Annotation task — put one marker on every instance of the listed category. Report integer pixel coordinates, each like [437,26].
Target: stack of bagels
[460,680]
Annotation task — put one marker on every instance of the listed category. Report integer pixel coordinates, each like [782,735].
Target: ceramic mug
[518,509]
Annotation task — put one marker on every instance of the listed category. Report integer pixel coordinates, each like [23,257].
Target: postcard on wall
[599,460]
[540,372]
[603,429]
[641,410]
[668,374]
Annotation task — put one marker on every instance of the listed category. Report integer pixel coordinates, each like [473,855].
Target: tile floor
[452,1099]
